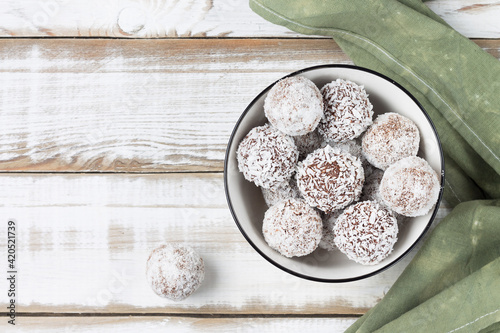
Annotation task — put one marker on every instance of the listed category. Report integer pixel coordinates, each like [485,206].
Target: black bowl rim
[312,278]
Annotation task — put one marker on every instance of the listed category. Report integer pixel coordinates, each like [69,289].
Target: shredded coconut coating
[348,111]
[410,187]
[328,240]
[266,156]
[175,271]
[390,138]
[286,190]
[308,143]
[330,179]
[294,105]
[292,228]
[366,232]
[353,147]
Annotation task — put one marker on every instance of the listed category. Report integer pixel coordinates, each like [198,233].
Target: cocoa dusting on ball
[366,232]
[348,111]
[294,105]
[330,179]
[266,156]
[390,138]
[292,228]
[410,187]
[175,271]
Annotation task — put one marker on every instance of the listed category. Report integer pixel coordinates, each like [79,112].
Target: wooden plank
[490,46]
[470,17]
[190,18]
[83,241]
[137,105]
[178,325]
[140,106]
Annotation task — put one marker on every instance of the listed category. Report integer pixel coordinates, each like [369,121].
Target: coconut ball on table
[294,105]
[330,179]
[292,228]
[366,232]
[266,156]
[410,187]
[175,271]
[391,137]
[348,111]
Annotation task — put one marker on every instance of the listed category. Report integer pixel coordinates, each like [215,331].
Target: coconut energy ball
[266,156]
[366,232]
[330,179]
[292,228]
[285,190]
[348,111]
[307,143]
[390,138]
[410,187]
[174,271]
[294,105]
[328,240]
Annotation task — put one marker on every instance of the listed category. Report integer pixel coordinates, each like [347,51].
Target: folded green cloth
[457,83]
[453,283]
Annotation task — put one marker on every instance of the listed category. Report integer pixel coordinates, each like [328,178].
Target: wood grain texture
[178,325]
[108,105]
[83,241]
[194,18]
[137,105]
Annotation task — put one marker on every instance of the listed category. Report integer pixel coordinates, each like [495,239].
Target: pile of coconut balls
[331,176]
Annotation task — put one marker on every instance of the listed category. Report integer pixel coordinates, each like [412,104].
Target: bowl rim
[308,277]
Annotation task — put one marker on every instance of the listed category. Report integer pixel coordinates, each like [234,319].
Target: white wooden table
[114,119]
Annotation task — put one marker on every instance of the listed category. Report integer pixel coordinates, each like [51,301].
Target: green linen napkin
[453,283]
[457,83]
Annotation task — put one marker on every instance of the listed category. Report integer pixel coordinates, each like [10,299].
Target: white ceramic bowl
[248,207]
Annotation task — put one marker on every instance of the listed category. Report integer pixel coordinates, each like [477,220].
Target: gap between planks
[188,315]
